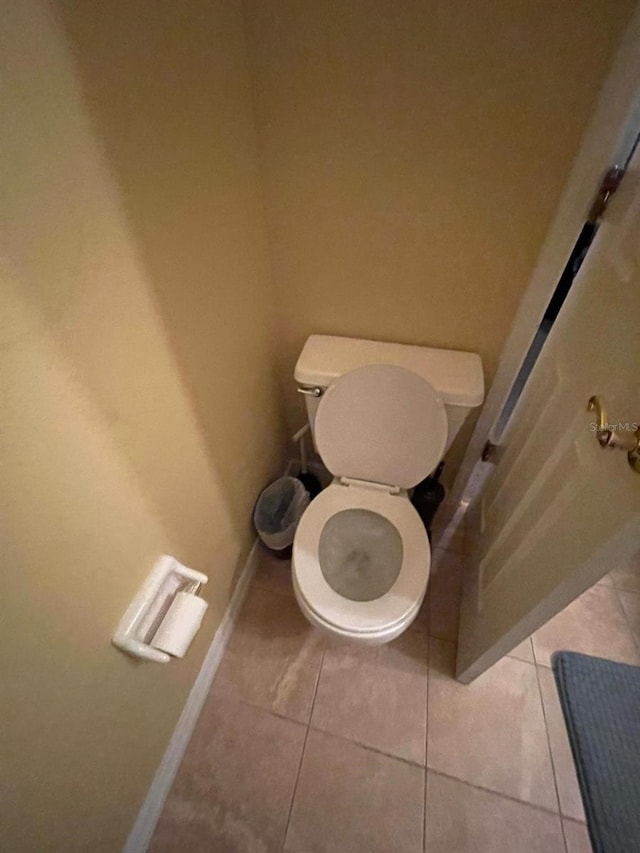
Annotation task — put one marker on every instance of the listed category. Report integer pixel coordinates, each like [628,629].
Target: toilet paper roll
[179,626]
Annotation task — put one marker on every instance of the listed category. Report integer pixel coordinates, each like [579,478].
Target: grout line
[634,635]
[424,810]
[553,764]
[315,689]
[304,746]
[367,746]
[522,660]
[424,813]
[511,657]
[279,714]
[498,794]
[533,649]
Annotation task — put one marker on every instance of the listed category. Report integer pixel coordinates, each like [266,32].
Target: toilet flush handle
[311,392]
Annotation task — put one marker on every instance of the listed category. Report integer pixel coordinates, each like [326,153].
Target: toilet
[382,416]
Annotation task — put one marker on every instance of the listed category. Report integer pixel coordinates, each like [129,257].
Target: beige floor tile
[492,732]
[273,574]
[376,695]
[234,788]
[273,657]
[523,651]
[445,585]
[593,624]
[628,576]
[352,800]
[577,837]
[563,765]
[605,580]
[631,606]
[446,570]
[444,616]
[421,622]
[463,819]
[445,581]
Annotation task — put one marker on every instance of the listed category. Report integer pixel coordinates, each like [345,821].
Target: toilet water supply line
[298,438]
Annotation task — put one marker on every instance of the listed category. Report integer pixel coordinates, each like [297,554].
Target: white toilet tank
[456,376]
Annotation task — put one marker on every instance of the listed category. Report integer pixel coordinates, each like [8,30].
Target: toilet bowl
[361,555]
[343,589]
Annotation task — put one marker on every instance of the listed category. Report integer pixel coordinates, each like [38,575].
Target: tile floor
[309,745]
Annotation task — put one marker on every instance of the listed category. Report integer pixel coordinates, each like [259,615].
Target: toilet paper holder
[151,603]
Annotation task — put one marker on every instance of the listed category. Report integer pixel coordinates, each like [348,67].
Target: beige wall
[138,414]
[413,154]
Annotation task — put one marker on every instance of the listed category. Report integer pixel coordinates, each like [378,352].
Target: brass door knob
[618,436]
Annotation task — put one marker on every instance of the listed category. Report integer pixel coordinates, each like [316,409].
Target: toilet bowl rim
[371,633]
[361,617]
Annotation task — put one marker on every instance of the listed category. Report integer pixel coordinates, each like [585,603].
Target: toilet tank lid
[457,376]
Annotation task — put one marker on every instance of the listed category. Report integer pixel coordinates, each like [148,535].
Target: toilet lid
[381,423]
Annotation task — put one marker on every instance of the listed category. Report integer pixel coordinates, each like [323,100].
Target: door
[559,509]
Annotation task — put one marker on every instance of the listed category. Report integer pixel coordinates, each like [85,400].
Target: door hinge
[608,185]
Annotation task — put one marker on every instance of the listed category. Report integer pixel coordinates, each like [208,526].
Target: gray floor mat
[601,704]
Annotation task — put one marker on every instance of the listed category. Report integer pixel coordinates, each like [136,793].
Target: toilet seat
[382,618]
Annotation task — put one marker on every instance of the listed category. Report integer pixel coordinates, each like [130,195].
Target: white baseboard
[143,828]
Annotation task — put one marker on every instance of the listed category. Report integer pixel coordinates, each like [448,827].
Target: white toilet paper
[179,626]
